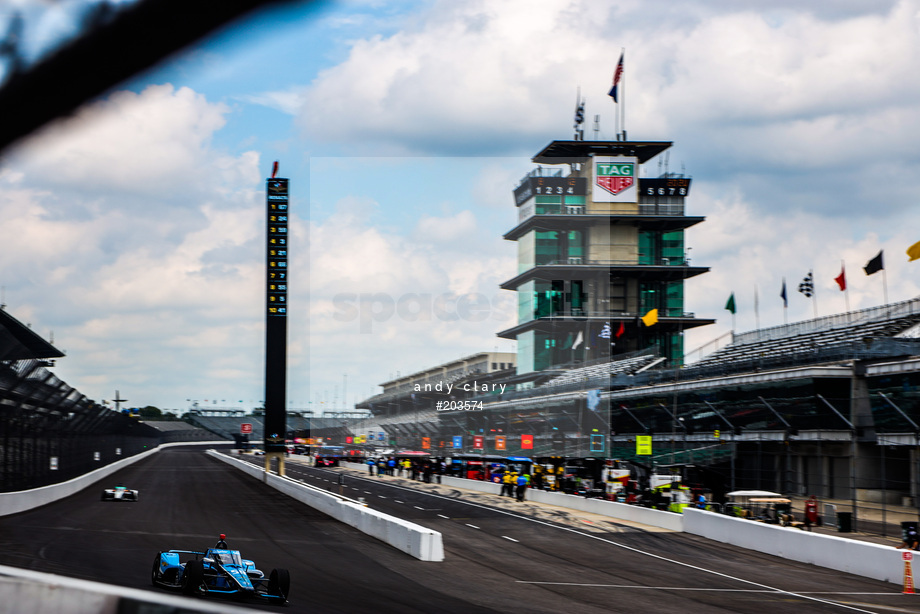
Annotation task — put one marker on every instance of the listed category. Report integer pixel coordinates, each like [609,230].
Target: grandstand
[49,431]
[178,430]
[847,335]
[627,365]
[226,424]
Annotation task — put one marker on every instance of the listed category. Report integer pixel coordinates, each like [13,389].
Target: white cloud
[151,144]
[384,302]
[130,233]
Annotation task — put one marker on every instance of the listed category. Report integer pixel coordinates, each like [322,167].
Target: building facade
[599,248]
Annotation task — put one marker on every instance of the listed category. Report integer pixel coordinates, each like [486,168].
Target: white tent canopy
[753,493]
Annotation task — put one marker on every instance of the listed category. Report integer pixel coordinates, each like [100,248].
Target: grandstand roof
[19,342]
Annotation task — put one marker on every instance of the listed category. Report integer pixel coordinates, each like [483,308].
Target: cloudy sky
[134,232]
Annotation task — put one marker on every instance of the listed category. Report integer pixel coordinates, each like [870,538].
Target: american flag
[617,74]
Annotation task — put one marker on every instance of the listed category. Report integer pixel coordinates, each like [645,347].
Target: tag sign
[245,428]
[907,556]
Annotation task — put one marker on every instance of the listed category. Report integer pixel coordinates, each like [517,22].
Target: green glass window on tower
[575,247]
[545,351]
[541,299]
[525,352]
[661,247]
[526,250]
[548,204]
[547,248]
[577,298]
[672,247]
[649,297]
[666,297]
[527,298]
[674,299]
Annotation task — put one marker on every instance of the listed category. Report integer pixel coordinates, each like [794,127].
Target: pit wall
[33,591]
[857,557]
[413,539]
[848,555]
[20,501]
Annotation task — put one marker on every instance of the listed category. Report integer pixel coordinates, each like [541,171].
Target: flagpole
[785,303]
[623,107]
[756,308]
[846,286]
[885,284]
[814,294]
[616,104]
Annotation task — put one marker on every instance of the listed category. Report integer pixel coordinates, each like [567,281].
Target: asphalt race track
[501,556]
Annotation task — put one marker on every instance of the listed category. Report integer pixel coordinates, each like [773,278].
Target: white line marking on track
[397,500]
[444,517]
[419,508]
[642,552]
[691,588]
[472,525]
[513,540]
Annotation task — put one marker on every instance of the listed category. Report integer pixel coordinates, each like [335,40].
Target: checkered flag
[807,287]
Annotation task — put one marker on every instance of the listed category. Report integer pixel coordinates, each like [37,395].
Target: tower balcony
[571,268]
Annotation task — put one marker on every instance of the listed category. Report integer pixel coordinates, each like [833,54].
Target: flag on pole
[875,265]
[842,279]
[621,330]
[605,331]
[730,305]
[617,74]
[783,294]
[914,251]
[579,113]
[807,287]
[651,318]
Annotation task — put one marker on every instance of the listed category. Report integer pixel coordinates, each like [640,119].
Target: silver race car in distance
[119,493]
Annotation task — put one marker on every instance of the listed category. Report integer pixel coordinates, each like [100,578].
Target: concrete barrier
[20,501]
[24,590]
[621,511]
[848,555]
[413,539]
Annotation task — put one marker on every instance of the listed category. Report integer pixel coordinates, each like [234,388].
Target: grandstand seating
[177,430]
[625,366]
[226,427]
[813,336]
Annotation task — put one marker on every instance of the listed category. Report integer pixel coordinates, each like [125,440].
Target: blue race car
[218,571]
